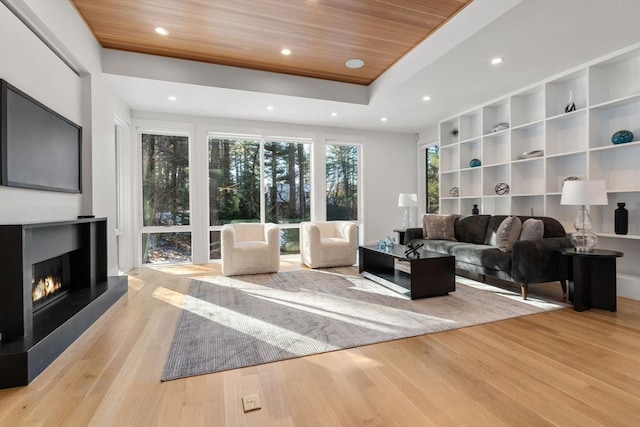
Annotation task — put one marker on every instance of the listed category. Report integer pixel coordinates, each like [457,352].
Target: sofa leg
[525,290]
[563,283]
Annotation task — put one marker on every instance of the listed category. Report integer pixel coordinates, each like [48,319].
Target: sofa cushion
[441,246]
[532,229]
[482,255]
[492,229]
[472,228]
[508,232]
[439,227]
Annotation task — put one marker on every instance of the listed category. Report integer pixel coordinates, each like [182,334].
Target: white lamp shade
[584,193]
[407,200]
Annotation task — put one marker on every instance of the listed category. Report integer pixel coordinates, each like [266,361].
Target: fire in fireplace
[50,281]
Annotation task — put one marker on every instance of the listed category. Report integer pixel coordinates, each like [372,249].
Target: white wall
[388,160]
[33,68]
[29,64]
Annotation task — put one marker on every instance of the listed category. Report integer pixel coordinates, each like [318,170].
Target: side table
[400,232]
[592,278]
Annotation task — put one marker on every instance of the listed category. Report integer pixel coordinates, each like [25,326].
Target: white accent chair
[250,248]
[328,243]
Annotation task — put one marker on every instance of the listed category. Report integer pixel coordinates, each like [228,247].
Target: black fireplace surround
[33,337]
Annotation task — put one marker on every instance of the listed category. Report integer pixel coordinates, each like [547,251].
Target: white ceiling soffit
[537,38]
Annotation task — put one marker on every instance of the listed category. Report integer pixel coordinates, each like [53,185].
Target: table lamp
[407,201]
[584,193]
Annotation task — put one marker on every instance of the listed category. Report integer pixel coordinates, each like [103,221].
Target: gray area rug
[233,322]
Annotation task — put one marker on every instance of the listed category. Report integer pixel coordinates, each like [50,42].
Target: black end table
[592,278]
[400,232]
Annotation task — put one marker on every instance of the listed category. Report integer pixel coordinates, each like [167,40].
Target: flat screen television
[39,148]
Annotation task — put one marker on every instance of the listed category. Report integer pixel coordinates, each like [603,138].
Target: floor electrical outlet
[251,403]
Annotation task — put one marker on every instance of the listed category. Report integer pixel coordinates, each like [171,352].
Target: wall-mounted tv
[39,148]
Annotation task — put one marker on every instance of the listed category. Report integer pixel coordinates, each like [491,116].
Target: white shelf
[620,236]
[577,143]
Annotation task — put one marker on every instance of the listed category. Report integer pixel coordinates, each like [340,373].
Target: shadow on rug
[234,322]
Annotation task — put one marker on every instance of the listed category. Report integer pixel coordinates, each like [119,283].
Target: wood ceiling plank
[322,34]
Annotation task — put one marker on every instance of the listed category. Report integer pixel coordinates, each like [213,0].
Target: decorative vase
[474,163]
[502,188]
[475,210]
[621,219]
[570,106]
[622,137]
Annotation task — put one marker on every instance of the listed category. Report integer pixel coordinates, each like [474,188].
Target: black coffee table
[432,274]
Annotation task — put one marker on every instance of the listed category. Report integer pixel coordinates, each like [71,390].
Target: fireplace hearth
[53,286]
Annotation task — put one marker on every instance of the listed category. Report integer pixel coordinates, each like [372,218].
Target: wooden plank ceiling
[321,34]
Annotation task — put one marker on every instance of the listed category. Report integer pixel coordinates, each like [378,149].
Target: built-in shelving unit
[606,94]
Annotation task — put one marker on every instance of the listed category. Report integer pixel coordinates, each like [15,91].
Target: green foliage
[433,178]
[342,182]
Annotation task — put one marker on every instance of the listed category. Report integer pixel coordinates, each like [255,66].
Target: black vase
[621,219]
[475,210]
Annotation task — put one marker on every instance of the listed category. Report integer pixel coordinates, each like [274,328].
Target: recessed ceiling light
[285,52]
[172,98]
[354,63]
[270,107]
[384,119]
[334,114]
[162,31]
[426,98]
[496,61]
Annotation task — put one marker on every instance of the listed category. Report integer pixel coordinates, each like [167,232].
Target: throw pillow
[440,227]
[532,229]
[508,232]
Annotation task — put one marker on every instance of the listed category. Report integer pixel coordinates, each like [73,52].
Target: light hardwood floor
[557,368]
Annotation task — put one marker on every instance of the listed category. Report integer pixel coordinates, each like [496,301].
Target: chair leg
[525,290]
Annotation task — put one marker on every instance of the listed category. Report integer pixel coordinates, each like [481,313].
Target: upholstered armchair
[328,244]
[250,248]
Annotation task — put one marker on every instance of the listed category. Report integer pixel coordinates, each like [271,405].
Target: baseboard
[628,286]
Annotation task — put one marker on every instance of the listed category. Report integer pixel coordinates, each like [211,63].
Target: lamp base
[408,220]
[584,241]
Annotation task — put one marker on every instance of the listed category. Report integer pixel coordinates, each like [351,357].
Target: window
[234,181]
[234,185]
[342,181]
[238,172]
[287,187]
[432,166]
[166,235]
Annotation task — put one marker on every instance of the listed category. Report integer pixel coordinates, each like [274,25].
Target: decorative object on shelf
[622,137]
[474,163]
[454,134]
[531,154]
[475,210]
[454,192]
[409,201]
[499,127]
[621,219]
[502,188]
[570,178]
[583,193]
[570,106]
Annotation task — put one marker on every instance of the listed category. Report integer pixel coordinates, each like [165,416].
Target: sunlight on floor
[373,316]
[531,300]
[292,342]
